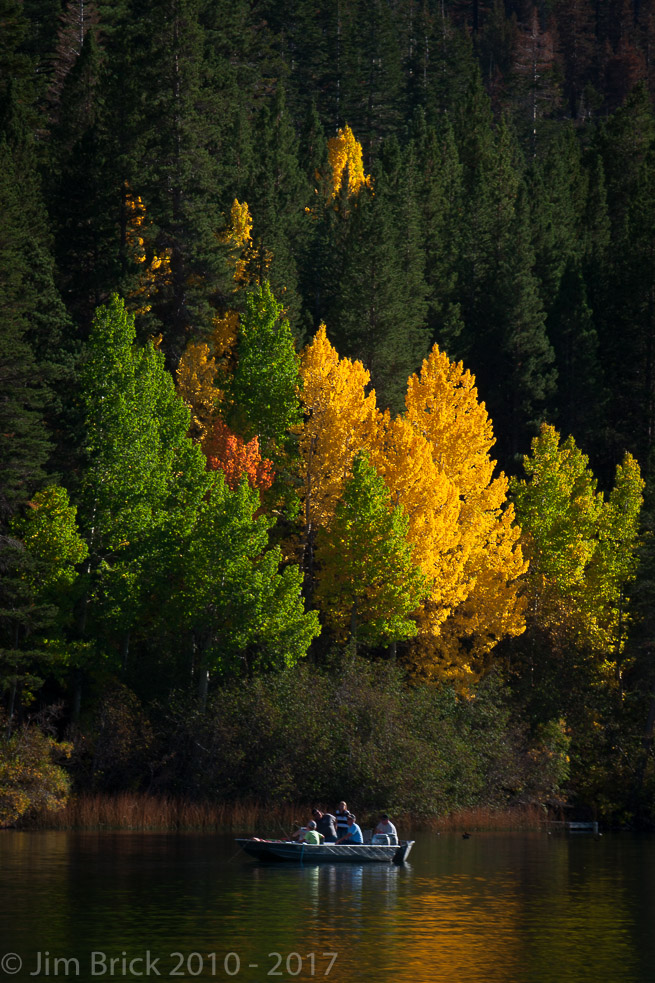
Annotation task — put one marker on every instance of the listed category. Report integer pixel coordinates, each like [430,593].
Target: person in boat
[325,824]
[300,834]
[386,826]
[341,817]
[312,836]
[354,833]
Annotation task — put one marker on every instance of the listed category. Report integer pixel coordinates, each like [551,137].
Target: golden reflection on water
[515,908]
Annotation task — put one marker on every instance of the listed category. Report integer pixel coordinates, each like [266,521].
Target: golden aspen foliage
[430,500]
[196,384]
[203,366]
[340,418]
[249,264]
[442,405]
[155,272]
[224,337]
[345,152]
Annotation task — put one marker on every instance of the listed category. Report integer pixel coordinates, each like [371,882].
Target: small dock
[576,827]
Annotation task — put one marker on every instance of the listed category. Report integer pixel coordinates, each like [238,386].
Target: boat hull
[327,852]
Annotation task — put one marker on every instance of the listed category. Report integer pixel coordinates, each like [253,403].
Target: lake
[496,908]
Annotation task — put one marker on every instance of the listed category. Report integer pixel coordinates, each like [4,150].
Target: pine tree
[377,318]
[627,317]
[25,445]
[510,350]
[439,189]
[280,195]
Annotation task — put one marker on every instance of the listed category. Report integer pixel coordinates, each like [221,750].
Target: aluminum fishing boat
[306,853]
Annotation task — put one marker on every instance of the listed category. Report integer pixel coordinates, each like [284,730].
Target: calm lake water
[497,908]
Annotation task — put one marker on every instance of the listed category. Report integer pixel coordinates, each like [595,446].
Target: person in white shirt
[386,826]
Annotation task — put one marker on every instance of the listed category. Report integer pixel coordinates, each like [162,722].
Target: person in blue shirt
[354,834]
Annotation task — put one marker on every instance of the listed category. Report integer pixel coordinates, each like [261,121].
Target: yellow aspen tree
[442,405]
[249,266]
[154,273]
[339,420]
[202,366]
[431,502]
[196,384]
[345,153]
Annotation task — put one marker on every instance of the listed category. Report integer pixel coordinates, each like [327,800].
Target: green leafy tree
[582,550]
[264,389]
[245,614]
[48,529]
[142,473]
[369,584]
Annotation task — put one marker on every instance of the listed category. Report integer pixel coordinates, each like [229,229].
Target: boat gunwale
[291,850]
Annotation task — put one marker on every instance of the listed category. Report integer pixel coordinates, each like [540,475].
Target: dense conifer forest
[327,402]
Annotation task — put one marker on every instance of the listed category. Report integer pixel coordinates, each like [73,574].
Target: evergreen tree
[376,317]
[24,441]
[438,174]
[280,195]
[505,321]
[627,327]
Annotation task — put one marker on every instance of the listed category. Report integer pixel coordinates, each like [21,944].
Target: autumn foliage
[345,159]
[435,463]
[237,458]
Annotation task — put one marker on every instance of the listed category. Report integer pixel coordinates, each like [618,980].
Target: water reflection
[517,908]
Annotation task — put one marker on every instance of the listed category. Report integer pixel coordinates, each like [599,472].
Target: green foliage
[143,478]
[582,548]
[49,532]
[264,390]
[355,731]
[244,612]
[369,583]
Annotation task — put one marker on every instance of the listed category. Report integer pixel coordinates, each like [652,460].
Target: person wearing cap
[354,834]
[312,836]
[386,826]
[325,824]
[300,834]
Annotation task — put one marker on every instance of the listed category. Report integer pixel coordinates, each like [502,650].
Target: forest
[327,403]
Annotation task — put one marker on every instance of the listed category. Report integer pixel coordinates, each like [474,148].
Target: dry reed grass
[488,818]
[133,811]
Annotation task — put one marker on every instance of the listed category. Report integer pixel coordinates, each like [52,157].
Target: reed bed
[479,818]
[133,811]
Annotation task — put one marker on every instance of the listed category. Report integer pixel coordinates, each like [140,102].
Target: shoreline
[145,813]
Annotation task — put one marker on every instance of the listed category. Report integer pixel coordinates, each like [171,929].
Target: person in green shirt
[312,836]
